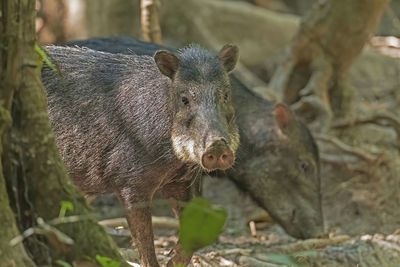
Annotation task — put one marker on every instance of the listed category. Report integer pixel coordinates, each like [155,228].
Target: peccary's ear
[166,62]
[283,116]
[229,55]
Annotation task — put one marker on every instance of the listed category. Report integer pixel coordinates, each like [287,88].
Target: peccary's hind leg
[177,193]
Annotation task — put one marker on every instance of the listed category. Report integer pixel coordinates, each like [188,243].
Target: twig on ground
[253,229]
[311,244]
[387,244]
[158,222]
[224,252]
[71,219]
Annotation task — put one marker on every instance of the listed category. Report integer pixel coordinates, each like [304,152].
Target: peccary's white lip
[184,148]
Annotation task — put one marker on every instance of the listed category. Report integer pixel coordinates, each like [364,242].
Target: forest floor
[263,244]
[250,237]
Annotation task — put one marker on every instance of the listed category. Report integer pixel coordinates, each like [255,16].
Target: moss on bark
[33,179]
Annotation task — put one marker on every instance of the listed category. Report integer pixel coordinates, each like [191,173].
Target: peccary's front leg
[178,193]
[138,215]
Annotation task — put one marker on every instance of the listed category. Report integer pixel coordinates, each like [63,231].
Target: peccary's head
[282,173]
[278,163]
[204,129]
[294,162]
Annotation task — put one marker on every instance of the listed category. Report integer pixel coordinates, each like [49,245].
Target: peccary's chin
[185,148]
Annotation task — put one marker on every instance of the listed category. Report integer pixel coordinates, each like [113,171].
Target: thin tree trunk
[10,34]
[52,16]
[31,169]
[314,69]
[150,21]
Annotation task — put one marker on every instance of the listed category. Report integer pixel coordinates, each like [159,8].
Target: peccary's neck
[253,115]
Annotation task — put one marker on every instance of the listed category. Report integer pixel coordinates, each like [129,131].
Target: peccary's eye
[226,96]
[304,166]
[185,100]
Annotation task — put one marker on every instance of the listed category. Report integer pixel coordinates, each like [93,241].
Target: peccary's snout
[218,155]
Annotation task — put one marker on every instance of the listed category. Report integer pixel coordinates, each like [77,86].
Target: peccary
[277,161]
[132,125]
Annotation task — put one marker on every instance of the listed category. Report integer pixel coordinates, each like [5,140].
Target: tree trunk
[31,169]
[51,18]
[150,21]
[313,72]
[119,17]
[10,29]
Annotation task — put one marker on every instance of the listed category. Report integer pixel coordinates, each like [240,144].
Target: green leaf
[65,205]
[107,262]
[200,224]
[63,263]
[43,56]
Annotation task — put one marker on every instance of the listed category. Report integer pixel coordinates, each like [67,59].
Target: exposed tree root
[384,119]
[369,157]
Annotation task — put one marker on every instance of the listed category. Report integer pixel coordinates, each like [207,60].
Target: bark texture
[60,20]
[314,69]
[119,17]
[150,22]
[31,170]
[51,20]
[11,25]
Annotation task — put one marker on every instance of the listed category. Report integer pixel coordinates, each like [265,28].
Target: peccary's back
[106,111]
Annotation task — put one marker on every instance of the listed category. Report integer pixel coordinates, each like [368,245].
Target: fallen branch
[386,244]
[158,222]
[224,252]
[311,244]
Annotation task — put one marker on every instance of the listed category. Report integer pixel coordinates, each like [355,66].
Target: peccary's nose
[218,156]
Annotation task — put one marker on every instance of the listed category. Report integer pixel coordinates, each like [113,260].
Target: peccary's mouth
[217,156]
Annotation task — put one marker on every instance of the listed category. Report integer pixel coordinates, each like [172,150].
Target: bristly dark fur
[199,64]
[104,100]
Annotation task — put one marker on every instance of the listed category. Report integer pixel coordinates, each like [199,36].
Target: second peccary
[277,161]
[133,124]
